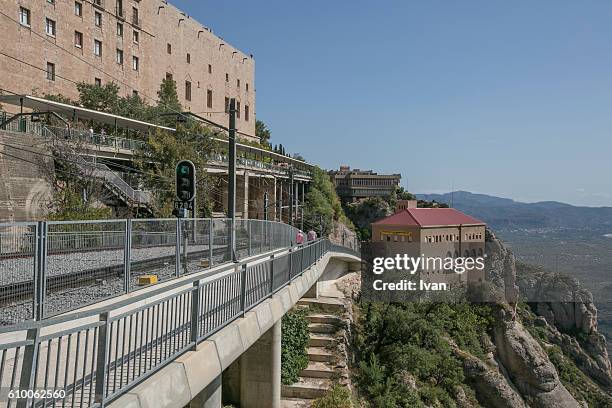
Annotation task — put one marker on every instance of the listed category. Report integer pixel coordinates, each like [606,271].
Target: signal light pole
[231,192]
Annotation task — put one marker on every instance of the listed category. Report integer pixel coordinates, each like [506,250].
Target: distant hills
[502,213]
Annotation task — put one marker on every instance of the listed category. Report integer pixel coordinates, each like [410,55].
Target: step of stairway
[295,403]
[325,318]
[321,340]
[306,388]
[317,369]
[320,354]
[322,328]
[327,304]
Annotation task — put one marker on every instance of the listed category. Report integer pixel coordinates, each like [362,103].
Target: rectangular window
[97,82]
[227,100]
[169,48]
[120,29]
[238,83]
[78,39]
[135,37]
[119,56]
[98,19]
[50,71]
[209,69]
[188,90]
[134,93]
[238,109]
[226,77]
[246,113]
[247,87]
[78,9]
[188,58]
[119,8]
[135,63]
[24,16]
[50,27]
[135,17]
[168,76]
[209,98]
[97,48]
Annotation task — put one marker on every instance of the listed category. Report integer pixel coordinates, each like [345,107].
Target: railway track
[24,290]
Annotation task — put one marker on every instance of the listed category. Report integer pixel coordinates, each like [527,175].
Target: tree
[322,206]
[262,132]
[104,98]
[168,102]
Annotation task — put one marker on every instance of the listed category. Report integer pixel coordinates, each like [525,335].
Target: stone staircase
[317,378]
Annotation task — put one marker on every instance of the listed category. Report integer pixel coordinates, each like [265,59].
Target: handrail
[159,331]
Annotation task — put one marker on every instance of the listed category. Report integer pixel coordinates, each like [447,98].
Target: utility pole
[291,196]
[265,208]
[231,193]
[302,209]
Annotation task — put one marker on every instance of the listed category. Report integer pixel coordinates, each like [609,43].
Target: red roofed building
[434,232]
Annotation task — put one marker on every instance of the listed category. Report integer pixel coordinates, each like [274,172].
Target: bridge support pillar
[209,397]
[260,371]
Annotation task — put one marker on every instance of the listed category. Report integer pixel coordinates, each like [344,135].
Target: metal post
[271,274]
[177,249]
[302,208]
[243,289]
[231,193]
[249,235]
[195,313]
[28,368]
[210,242]
[127,251]
[102,358]
[40,274]
[265,206]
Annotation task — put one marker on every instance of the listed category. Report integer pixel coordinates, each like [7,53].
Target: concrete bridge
[189,341]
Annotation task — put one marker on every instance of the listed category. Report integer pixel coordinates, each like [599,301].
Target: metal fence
[107,351]
[49,268]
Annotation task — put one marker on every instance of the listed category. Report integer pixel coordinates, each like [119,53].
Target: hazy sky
[511,98]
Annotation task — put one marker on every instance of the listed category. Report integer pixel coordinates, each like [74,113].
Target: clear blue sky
[510,98]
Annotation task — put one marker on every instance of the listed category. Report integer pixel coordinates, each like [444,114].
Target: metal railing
[96,356]
[52,267]
[98,139]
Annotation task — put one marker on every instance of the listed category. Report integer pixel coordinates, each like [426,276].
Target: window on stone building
[120,29]
[98,48]
[134,93]
[78,39]
[97,82]
[238,83]
[135,16]
[169,48]
[246,86]
[135,63]
[135,37]
[227,101]
[78,8]
[188,58]
[168,76]
[119,8]
[51,1]
[226,77]
[119,56]
[98,19]
[50,71]
[246,113]
[50,27]
[237,109]
[209,98]
[187,90]
[209,69]
[24,16]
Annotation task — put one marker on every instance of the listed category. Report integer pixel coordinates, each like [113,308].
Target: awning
[71,111]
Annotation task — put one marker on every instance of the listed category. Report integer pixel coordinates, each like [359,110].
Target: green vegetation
[405,356]
[264,134]
[295,336]
[337,397]
[322,206]
[365,212]
[68,204]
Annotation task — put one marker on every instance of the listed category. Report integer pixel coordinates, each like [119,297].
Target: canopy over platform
[76,112]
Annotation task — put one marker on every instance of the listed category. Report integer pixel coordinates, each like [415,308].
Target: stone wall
[24,190]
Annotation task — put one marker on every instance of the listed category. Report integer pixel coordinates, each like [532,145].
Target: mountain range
[505,213]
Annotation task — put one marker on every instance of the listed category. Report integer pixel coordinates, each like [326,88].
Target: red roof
[429,217]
